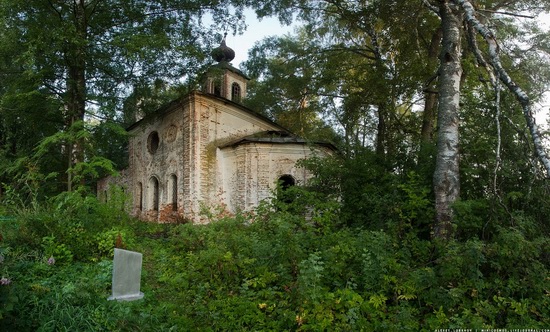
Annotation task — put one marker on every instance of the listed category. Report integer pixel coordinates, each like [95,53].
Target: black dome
[223,53]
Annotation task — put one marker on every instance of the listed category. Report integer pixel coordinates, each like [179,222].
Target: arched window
[140,196]
[154,193]
[216,88]
[174,185]
[236,92]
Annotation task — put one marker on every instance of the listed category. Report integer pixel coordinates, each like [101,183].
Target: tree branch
[431,6]
[505,78]
[505,13]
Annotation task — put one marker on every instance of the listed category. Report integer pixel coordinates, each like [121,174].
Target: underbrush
[277,270]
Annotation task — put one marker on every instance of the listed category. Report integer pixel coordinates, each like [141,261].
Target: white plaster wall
[249,172]
[227,122]
[189,136]
[166,162]
[219,123]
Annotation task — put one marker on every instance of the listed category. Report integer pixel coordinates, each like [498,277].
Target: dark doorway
[286,181]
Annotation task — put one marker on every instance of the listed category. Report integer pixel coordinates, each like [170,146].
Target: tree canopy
[371,76]
[68,62]
[404,68]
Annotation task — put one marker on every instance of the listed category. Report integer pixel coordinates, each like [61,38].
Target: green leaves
[65,64]
[267,272]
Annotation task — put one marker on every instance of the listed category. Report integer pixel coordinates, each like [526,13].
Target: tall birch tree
[383,46]
[446,174]
[458,17]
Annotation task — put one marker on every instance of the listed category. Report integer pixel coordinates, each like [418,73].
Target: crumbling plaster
[249,172]
[194,162]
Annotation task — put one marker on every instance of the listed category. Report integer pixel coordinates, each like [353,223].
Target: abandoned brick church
[206,149]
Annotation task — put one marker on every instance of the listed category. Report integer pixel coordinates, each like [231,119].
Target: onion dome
[223,53]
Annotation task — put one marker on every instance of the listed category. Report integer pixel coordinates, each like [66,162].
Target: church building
[206,150]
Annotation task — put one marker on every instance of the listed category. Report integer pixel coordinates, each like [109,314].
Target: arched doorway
[286,181]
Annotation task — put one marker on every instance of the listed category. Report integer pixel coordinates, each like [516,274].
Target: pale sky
[256,31]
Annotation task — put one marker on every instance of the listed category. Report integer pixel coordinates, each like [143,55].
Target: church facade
[206,150]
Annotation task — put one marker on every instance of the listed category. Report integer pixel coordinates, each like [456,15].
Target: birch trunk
[446,175]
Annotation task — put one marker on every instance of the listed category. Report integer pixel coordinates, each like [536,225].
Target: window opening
[153,142]
[285,182]
[217,88]
[174,180]
[154,184]
[140,196]
[235,92]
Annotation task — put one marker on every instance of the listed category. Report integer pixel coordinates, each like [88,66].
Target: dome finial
[223,53]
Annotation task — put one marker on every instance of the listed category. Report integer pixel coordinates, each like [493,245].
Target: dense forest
[434,215]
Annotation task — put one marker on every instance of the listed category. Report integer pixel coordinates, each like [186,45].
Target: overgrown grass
[274,270]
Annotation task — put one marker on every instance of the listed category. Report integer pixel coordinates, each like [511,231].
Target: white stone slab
[126,276]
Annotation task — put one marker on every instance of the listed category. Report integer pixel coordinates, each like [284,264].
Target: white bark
[499,141]
[446,174]
[505,78]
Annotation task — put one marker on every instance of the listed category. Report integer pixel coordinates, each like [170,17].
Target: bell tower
[224,80]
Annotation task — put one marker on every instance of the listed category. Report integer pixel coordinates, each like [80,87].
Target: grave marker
[126,275]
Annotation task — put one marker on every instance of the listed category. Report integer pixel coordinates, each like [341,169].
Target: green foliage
[90,169]
[308,260]
[26,188]
[57,252]
[349,252]
[271,270]
[70,224]
[107,241]
[32,180]
[110,141]
[62,66]
[366,195]
[286,89]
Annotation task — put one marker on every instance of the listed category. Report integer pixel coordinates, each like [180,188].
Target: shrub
[291,265]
